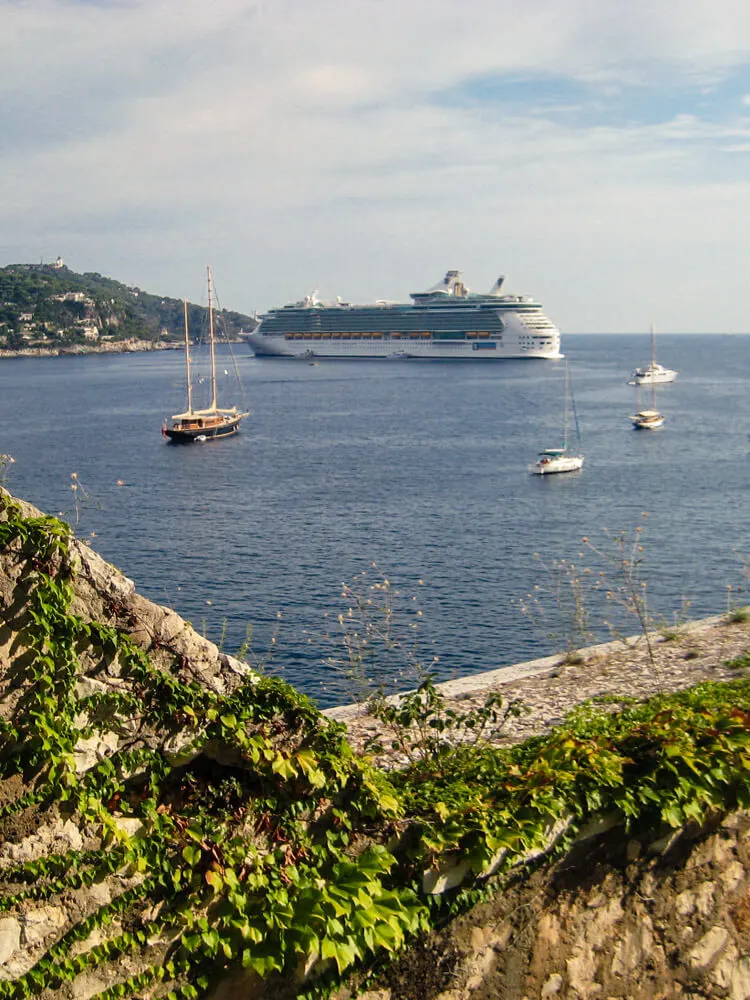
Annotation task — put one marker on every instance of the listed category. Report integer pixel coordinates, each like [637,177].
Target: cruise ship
[446,321]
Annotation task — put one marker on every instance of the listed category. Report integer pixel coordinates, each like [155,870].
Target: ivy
[260,841]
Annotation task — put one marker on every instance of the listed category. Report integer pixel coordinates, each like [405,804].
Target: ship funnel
[451,284]
[495,290]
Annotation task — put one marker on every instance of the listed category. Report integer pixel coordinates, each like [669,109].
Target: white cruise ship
[446,321]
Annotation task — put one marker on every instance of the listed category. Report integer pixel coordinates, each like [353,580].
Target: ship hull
[387,348]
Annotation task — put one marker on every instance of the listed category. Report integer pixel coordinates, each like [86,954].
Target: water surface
[419,467]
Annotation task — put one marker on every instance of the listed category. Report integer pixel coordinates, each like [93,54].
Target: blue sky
[598,153]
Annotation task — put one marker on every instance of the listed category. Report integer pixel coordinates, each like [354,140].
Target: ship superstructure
[446,321]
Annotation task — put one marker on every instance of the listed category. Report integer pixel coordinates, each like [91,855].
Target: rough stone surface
[599,925]
[10,938]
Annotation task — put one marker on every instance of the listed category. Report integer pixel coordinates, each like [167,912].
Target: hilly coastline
[48,308]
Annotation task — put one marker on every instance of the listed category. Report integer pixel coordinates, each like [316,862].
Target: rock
[40,923]
[10,938]
[553,985]
[631,947]
[436,882]
[581,969]
[708,948]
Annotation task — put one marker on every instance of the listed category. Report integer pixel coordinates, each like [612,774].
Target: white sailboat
[560,459]
[653,372]
[213,421]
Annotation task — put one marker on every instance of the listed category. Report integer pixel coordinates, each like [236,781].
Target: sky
[596,152]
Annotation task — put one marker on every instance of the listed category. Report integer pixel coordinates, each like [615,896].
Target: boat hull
[643,422]
[179,434]
[562,463]
[653,379]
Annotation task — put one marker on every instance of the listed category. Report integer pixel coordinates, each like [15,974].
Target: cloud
[365,147]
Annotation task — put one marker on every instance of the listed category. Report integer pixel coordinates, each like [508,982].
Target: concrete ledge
[490,680]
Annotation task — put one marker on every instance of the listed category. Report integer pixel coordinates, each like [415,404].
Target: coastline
[77,350]
[551,687]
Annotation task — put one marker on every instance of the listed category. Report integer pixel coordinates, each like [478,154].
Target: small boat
[560,459]
[213,421]
[653,372]
[648,420]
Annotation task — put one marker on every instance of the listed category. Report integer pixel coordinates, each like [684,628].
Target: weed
[625,583]
[82,500]
[676,629]
[559,608]
[377,647]
[422,726]
[735,612]
[5,462]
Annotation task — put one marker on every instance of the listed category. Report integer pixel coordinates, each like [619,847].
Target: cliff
[175,825]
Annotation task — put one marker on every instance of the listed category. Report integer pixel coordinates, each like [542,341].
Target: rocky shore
[109,347]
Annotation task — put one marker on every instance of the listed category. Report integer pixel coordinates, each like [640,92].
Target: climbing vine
[240,831]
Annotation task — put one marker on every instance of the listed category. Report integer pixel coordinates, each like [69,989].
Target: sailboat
[213,421]
[560,459]
[653,372]
[648,420]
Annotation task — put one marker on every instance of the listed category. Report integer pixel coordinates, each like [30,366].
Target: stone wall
[619,917]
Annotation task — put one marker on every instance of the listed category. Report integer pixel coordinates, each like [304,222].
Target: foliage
[245,832]
[118,310]
[261,864]
[421,727]
[670,760]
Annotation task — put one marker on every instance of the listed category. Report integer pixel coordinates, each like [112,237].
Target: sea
[380,516]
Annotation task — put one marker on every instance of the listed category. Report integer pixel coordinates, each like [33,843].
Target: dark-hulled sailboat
[213,421]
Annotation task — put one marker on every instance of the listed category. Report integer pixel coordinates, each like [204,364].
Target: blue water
[419,467]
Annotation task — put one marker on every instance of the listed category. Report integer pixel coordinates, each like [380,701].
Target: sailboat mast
[211,337]
[187,362]
[565,412]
